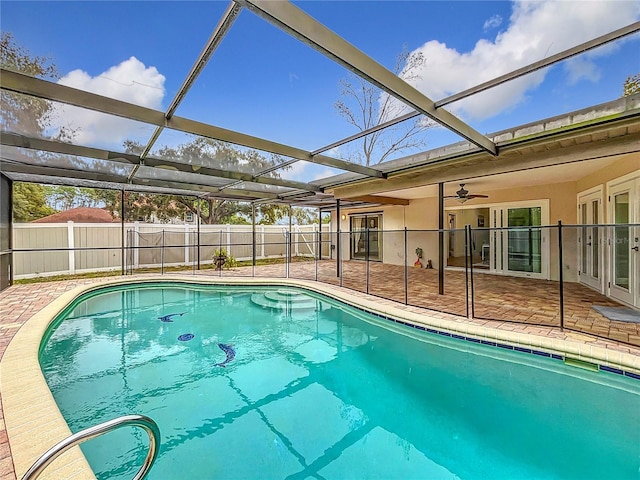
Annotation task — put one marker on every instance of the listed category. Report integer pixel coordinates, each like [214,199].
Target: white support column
[262,240]
[297,239]
[71,245]
[228,239]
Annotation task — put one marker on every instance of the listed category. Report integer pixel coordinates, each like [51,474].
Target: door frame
[630,183]
[586,197]
[367,233]
[498,239]
[545,250]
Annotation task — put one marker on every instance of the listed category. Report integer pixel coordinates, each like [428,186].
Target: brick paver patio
[499,303]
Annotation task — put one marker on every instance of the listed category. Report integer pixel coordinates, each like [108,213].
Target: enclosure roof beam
[15,140]
[15,167]
[229,16]
[25,84]
[305,28]
[532,67]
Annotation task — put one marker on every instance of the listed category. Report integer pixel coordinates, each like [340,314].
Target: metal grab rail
[88,433]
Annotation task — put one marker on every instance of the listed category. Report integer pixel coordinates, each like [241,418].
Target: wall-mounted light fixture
[344,217]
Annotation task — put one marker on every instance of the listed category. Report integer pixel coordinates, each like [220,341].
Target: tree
[30,202]
[64,198]
[199,152]
[307,216]
[364,106]
[631,85]
[23,113]
[31,116]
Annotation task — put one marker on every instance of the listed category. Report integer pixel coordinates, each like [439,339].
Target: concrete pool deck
[30,422]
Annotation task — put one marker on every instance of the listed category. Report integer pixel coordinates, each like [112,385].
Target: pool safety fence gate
[583,278]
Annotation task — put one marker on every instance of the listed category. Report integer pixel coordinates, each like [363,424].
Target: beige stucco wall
[625,165]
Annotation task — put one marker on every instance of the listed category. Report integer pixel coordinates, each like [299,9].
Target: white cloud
[295,171]
[325,173]
[130,81]
[307,172]
[491,23]
[535,30]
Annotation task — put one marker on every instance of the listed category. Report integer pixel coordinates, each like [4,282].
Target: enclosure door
[624,242]
[590,240]
[522,249]
[366,237]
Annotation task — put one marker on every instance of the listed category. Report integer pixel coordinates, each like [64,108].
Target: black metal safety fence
[584,278]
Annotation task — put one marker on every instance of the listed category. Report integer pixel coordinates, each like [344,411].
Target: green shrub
[230,262]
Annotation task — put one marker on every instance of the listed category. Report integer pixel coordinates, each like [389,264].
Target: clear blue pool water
[318,389]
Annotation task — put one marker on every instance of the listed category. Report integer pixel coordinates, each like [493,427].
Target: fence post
[441,238]
[253,240]
[220,251]
[561,274]
[262,255]
[136,244]
[472,292]
[71,244]
[338,254]
[338,251]
[122,211]
[198,236]
[162,255]
[186,244]
[406,270]
[466,268]
[228,239]
[288,252]
[367,259]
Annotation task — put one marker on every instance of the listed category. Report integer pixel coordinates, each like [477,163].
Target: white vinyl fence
[60,246]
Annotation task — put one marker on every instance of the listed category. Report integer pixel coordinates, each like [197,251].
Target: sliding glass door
[366,237]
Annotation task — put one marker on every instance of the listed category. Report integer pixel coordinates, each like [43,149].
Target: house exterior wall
[422,214]
[623,166]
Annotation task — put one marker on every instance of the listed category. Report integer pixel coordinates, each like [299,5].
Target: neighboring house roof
[79,215]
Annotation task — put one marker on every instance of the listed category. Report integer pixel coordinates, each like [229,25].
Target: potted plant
[418,263]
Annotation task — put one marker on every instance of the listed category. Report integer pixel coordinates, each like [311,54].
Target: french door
[517,243]
[591,238]
[624,241]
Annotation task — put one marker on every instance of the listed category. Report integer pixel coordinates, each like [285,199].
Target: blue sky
[265,83]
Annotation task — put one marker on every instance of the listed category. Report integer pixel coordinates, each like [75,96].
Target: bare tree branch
[364,106]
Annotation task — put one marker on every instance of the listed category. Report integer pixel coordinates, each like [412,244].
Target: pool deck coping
[34,422]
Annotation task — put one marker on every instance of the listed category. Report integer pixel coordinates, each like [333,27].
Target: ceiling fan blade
[477,196]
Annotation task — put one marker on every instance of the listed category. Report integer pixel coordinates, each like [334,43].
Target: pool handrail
[142,421]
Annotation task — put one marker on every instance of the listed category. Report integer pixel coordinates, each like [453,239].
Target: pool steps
[288,300]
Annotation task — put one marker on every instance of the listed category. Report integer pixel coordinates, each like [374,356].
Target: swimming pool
[318,389]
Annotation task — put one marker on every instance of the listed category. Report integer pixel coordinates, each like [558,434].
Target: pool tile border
[555,356]
[21,377]
[530,351]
